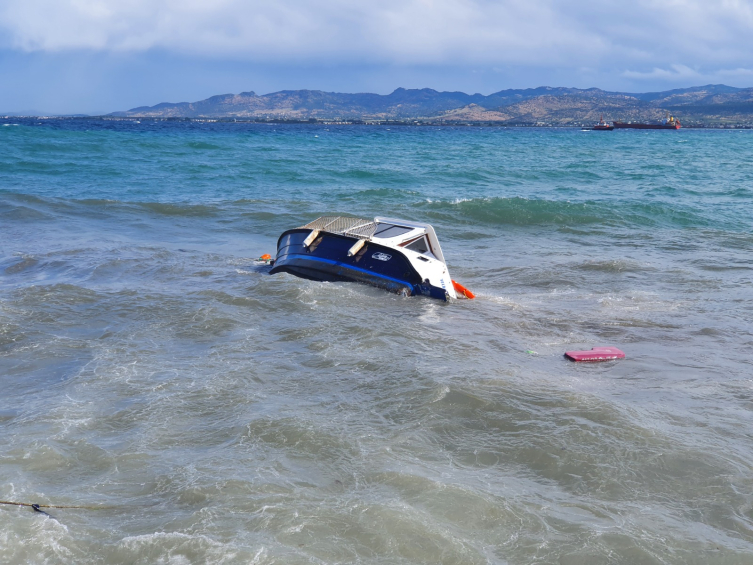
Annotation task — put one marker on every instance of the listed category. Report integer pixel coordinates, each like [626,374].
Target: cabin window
[419,246]
[386,231]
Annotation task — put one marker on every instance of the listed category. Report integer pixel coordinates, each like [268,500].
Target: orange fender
[462,291]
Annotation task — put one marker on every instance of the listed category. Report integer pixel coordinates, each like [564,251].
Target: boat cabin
[414,236]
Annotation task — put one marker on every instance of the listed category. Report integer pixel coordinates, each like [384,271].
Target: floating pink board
[596,354]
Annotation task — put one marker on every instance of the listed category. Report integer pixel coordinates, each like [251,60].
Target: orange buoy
[462,291]
[265,257]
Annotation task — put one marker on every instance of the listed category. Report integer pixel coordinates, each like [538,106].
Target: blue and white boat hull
[327,258]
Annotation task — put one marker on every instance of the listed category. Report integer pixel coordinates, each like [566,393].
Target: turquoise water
[219,414]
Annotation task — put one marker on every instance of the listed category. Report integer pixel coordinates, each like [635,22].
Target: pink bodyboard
[596,354]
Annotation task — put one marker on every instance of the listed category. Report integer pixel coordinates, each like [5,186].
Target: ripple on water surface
[214,413]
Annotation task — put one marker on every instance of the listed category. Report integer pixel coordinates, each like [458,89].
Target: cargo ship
[670,123]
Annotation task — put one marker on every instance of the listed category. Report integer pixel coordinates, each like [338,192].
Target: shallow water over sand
[214,413]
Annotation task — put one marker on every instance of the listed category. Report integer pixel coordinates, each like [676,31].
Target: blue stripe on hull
[318,268]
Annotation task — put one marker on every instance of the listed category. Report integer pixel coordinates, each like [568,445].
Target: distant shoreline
[715,106]
[330,122]
[698,106]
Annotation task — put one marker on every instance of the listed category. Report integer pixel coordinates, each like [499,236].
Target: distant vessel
[602,125]
[670,123]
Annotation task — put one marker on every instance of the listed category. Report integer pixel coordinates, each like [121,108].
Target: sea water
[204,411]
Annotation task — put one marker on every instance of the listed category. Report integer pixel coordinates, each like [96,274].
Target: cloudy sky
[95,56]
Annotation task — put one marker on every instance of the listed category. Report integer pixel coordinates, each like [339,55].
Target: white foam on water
[32,537]
[176,548]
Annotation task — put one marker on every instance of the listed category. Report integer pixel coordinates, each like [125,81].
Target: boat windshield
[419,246]
[387,231]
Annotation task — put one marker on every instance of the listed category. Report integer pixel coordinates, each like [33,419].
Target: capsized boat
[398,255]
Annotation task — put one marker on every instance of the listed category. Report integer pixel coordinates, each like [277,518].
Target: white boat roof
[370,230]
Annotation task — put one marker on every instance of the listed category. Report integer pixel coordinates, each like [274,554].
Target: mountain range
[701,105]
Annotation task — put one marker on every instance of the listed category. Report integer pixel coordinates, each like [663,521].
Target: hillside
[703,105]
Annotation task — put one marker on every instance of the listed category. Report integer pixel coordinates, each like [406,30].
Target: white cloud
[676,73]
[681,74]
[642,34]
[412,31]
[735,73]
